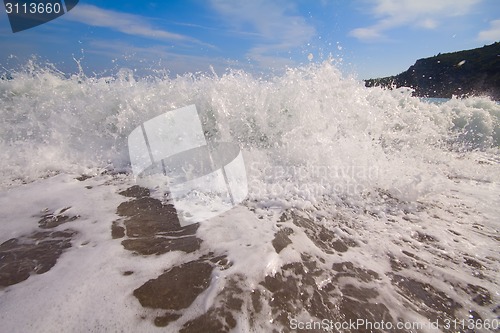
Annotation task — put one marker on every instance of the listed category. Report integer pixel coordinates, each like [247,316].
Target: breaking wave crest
[306,133]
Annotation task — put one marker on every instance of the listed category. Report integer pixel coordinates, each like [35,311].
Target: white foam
[312,141]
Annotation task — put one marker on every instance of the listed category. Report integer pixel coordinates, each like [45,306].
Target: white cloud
[271,23]
[492,34]
[425,14]
[158,56]
[428,24]
[126,23]
[366,33]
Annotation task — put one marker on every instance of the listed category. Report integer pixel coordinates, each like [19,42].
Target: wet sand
[340,292]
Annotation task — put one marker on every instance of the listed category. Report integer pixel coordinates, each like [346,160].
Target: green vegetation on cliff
[463,73]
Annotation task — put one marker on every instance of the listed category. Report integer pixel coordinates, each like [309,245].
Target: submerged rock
[151,227]
[38,252]
[177,288]
[322,284]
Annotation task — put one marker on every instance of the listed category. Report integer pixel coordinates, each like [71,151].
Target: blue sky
[370,38]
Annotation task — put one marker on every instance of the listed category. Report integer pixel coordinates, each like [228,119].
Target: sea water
[377,166]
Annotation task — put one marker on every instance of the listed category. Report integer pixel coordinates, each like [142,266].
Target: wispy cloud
[129,24]
[273,25]
[144,58]
[425,14]
[492,34]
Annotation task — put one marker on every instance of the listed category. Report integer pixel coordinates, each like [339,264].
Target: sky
[365,38]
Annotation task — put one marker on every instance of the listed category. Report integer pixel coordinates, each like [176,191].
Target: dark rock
[83,178]
[214,320]
[162,321]
[438,304]
[347,269]
[117,231]
[294,289]
[480,295]
[152,227]
[177,288]
[135,192]
[352,310]
[322,237]
[362,294]
[220,317]
[161,245]
[424,238]
[148,216]
[35,254]
[281,239]
[473,263]
[52,220]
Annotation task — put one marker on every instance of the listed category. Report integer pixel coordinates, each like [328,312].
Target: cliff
[463,73]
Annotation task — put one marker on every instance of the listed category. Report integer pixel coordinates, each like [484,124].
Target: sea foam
[410,186]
